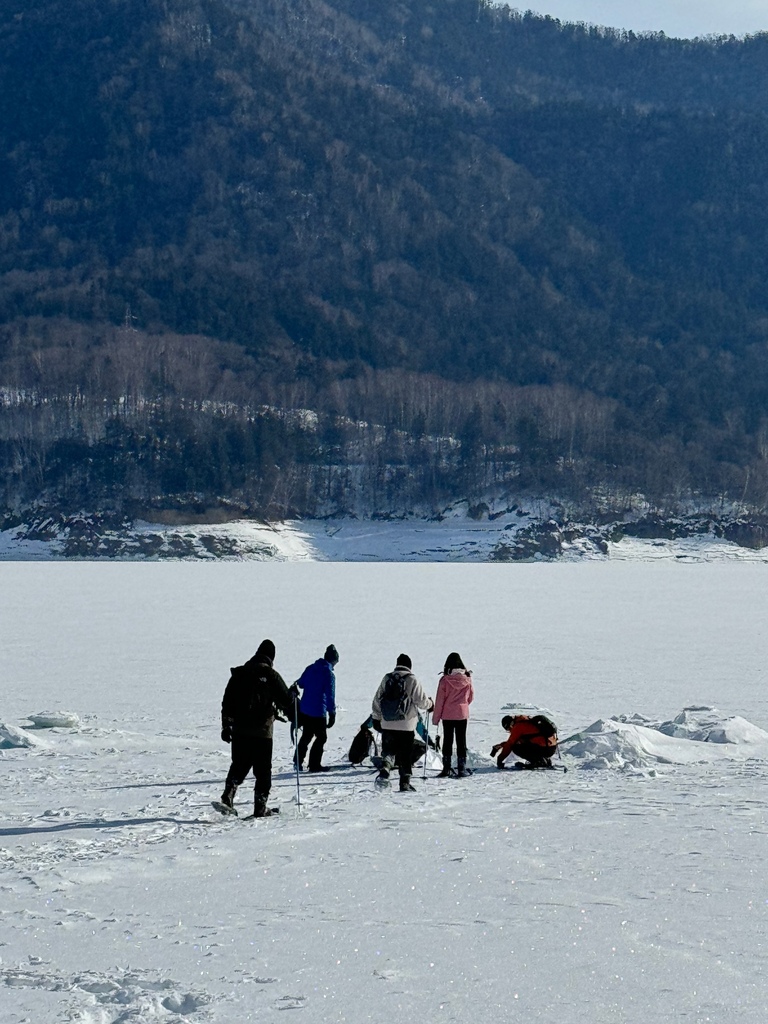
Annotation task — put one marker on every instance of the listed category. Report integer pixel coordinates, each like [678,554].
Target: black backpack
[256,697]
[545,726]
[394,702]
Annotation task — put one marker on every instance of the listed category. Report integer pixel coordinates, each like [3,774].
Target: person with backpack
[254,697]
[454,695]
[318,699]
[396,706]
[531,738]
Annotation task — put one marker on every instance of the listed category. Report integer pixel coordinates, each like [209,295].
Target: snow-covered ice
[634,888]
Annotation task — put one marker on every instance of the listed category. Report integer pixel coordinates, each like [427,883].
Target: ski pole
[296,749]
[424,773]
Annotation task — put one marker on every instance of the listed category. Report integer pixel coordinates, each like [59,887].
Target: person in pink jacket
[454,695]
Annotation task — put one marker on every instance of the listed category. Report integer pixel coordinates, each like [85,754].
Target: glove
[294,690]
[226,733]
[331,719]
[430,704]
[496,748]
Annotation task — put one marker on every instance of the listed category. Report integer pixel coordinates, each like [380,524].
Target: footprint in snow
[291,1003]
[127,997]
[384,975]
[183,1004]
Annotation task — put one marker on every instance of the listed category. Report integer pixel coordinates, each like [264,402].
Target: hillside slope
[445,219]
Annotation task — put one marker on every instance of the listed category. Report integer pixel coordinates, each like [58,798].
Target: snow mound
[706,725]
[55,720]
[522,708]
[737,730]
[637,743]
[11,738]
[612,744]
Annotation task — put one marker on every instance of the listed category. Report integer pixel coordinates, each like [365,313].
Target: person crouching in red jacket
[531,738]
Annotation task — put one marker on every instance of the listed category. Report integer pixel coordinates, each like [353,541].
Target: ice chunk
[11,737]
[707,725]
[55,720]
[737,730]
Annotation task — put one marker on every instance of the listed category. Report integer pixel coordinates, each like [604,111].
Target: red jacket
[525,733]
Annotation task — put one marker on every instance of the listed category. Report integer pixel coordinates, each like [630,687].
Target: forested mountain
[305,254]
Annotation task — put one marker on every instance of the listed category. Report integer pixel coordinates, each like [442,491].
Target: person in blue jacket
[318,699]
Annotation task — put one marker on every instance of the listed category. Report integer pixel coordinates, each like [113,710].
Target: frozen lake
[586,640]
[637,892]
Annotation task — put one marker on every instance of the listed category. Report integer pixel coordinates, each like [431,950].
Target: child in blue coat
[318,700]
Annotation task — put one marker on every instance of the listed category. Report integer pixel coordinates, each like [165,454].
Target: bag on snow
[418,750]
[362,745]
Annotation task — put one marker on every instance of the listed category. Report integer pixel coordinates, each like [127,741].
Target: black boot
[260,809]
[462,770]
[446,768]
[405,784]
[228,796]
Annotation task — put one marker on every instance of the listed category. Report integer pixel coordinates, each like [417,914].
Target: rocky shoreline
[550,539]
[461,533]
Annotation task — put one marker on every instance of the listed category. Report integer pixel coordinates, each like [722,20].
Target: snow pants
[251,753]
[397,749]
[312,729]
[526,750]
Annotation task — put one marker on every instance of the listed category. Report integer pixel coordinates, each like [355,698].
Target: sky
[685,18]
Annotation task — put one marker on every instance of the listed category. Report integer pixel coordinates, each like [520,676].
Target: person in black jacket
[255,695]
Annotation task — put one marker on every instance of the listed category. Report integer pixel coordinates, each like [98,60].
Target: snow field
[633,888]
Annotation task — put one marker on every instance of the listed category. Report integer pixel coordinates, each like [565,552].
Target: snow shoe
[223,808]
[268,812]
[462,771]
[227,798]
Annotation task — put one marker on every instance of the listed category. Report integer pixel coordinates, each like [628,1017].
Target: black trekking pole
[296,750]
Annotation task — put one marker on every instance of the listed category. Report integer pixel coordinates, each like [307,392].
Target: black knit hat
[331,654]
[452,662]
[506,721]
[404,660]
[266,650]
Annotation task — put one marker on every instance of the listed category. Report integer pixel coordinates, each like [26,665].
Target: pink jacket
[454,695]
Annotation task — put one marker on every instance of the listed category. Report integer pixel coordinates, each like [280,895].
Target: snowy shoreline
[514,534]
